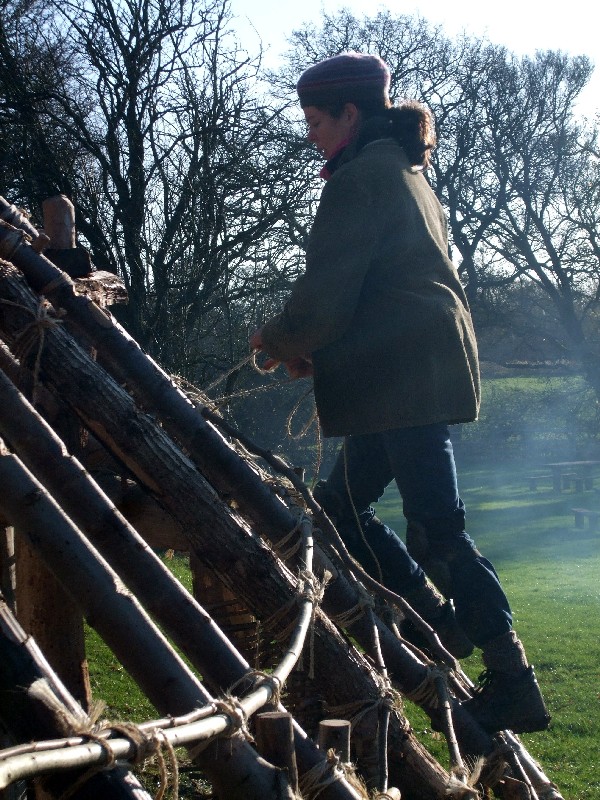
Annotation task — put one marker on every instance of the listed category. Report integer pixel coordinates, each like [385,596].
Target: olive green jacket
[380,307]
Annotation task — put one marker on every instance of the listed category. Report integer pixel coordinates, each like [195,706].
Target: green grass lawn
[126,702]
[550,571]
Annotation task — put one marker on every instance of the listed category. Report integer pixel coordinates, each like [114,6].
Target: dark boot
[508,695]
[430,605]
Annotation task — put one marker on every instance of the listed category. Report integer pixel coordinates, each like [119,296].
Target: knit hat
[346,78]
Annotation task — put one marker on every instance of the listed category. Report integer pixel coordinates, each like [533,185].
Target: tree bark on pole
[143,651]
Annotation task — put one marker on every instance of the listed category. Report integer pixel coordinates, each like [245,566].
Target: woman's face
[328,133]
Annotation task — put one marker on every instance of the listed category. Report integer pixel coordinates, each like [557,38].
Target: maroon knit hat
[346,78]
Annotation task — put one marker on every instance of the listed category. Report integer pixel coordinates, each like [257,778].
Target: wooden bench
[533,481]
[572,478]
[581,514]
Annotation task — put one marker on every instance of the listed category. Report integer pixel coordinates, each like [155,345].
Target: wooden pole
[59,222]
[13,216]
[335,734]
[59,225]
[48,613]
[275,742]
[7,563]
[236,622]
[217,533]
[141,648]
[35,704]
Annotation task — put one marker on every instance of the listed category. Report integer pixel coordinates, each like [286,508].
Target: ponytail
[413,127]
[410,124]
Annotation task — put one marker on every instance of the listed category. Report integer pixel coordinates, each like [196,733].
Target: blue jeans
[421,461]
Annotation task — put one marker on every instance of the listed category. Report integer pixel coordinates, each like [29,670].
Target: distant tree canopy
[191,177]
[183,175]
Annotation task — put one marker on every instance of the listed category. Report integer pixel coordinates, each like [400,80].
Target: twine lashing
[257,678]
[63,279]
[313,591]
[34,332]
[280,546]
[231,708]
[322,775]
[425,693]
[145,745]
[347,618]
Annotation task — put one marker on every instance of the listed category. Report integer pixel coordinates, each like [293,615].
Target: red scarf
[330,166]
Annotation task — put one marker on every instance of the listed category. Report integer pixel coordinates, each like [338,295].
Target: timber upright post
[334,734]
[59,222]
[7,563]
[275,742]
[44,609]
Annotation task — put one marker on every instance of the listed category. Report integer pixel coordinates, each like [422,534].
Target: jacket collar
[373,129]
[336,160]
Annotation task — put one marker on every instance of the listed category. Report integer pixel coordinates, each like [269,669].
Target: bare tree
[517,174]
[199,190]
[544,229]
[35,162]
[184,176]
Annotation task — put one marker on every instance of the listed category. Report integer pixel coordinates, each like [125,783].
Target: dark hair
[411,123]
[413,126]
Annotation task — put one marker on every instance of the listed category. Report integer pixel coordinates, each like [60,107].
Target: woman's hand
[299,367]
[256,340]
[256,344]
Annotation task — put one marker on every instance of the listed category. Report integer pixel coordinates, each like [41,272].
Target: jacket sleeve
[340,250]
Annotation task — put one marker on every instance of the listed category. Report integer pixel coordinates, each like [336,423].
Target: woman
[381,320]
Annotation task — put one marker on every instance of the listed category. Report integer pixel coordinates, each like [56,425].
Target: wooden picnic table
[583,470]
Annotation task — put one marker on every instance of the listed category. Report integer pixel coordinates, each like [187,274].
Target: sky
[523,26]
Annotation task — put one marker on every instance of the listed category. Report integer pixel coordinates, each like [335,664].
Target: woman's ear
[351,114]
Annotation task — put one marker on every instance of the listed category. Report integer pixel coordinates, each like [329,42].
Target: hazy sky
[524,26]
